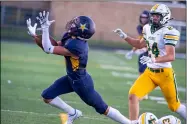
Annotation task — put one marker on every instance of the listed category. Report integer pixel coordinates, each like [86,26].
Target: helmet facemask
[163,11]
[72,27]
[157,22]
[81,27]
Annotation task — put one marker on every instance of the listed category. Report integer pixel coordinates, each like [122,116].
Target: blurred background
[26,70]
[107,16]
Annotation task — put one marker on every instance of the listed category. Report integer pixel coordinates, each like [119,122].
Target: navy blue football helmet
[144,14]
[82,27]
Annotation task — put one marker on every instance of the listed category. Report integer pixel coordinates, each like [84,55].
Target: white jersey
[156,42]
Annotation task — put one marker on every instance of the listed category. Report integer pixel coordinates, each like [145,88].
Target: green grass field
[26,71]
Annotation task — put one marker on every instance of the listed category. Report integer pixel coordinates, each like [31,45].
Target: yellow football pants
[165,79]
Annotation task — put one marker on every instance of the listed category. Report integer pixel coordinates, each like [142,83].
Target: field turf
[26,71]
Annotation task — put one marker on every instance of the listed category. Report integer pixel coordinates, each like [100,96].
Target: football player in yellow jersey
[143,20]
[160,40]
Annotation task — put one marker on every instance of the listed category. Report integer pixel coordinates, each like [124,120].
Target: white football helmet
[163,10]
[147,118]
[170,119]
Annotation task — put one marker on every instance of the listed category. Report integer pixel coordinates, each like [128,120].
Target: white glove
[170,119]
[32,29]
[45,23]
[44,20]
[146,59]
[120,33]
[129,54]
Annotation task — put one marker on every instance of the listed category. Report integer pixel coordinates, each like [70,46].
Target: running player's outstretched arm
[138,43]
[38,38]
[46,43]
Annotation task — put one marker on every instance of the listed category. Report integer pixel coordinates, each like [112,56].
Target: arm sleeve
[74,48]
[171,37]
[46,43]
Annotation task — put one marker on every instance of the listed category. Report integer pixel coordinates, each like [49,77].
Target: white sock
[59,103]
[115,115]
[182,111]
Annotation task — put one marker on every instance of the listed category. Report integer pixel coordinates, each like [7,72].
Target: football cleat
[71,118]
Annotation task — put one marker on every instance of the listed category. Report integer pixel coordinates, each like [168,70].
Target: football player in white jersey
[150,118]
[169,119]
[160,41]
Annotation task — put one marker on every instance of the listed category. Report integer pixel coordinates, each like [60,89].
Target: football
[147,118]
[38,41]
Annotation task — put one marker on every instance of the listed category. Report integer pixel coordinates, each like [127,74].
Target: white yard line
[178,55]
[118,68]
[155,98]
[159,100]
[180,89]
[162,102]
[124,75]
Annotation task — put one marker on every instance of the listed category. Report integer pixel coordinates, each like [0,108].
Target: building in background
[107,16]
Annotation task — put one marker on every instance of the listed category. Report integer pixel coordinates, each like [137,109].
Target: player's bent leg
[60,86]
[169,90]
[133,107]
[85,89]
[50,95]
[115,115]
[142,86]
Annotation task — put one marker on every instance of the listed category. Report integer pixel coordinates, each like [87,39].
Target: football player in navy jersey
[74,47]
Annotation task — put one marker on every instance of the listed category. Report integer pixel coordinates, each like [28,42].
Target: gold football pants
[151,78]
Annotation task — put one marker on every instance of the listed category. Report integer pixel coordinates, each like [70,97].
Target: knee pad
[101,108]
[45,95]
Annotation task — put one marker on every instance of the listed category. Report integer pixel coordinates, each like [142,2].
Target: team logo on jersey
[151,38]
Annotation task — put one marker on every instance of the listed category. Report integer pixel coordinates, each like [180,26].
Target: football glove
[120,33]
[31,29]
[146,59]
[44,20]
[129,54]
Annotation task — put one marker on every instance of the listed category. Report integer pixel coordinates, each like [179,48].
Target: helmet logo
[83,27]
[155,7]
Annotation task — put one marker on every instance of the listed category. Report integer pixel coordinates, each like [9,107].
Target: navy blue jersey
[76,68]
[139,29]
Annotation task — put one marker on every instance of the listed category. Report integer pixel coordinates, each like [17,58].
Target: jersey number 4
[154,48]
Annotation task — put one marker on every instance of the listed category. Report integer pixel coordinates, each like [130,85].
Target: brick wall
[27,4]
[107,16]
